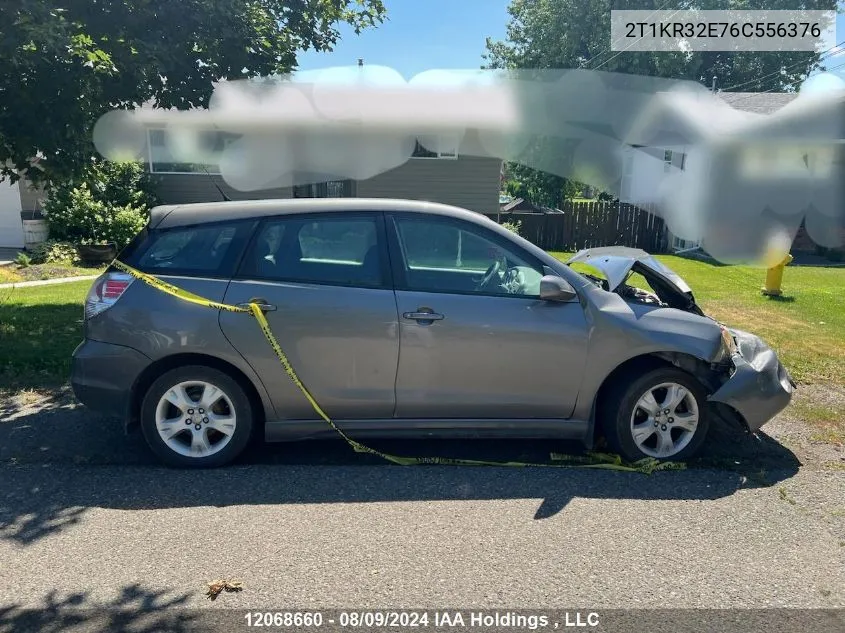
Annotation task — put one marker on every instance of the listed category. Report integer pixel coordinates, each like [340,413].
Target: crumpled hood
[617,261]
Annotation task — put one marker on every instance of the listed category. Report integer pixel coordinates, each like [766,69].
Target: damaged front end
[759,386]
[618,263]
[745,379]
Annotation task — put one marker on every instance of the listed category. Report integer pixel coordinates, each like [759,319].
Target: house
[445,176]
[770,168]
[646,166]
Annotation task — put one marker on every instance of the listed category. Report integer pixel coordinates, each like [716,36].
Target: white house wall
[11,228]
[643,179]
[646,175]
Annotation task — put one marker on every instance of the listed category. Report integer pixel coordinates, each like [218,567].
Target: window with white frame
[203,158]
[447,148]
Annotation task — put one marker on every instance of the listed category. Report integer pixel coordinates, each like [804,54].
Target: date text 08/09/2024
[421,619]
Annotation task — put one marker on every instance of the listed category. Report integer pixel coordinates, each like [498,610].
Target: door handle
[423,314]
[262,304]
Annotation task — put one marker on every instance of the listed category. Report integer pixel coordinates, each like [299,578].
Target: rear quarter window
[210,249]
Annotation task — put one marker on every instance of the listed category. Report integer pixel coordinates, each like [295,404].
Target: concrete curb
[47,282]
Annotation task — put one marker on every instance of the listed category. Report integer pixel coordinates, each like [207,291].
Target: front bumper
[760,386]
[102,376]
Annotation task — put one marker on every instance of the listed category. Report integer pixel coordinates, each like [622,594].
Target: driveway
[87,518]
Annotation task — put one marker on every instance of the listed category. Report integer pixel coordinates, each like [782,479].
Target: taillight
[105,292]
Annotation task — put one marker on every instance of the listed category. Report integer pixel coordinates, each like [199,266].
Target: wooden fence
[591,224]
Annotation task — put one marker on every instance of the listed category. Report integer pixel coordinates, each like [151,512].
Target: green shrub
[109,204]
[23,260]
[127,222]
[121,184]
[513,227]
[54,252]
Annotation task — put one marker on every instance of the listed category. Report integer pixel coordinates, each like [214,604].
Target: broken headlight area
[629,293]
[638,295]
[728,348]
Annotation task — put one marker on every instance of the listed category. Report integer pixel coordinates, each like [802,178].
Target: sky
[839,58]
[423,35]
[420,35]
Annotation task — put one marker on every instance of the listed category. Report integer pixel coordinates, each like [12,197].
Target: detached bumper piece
[760,386]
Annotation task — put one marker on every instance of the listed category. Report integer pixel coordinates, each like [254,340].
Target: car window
[188,249]
[441,255]
[326,250]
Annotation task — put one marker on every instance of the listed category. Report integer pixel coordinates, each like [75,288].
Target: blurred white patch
[738,180]
[777,247]
[119,137]
[821,84]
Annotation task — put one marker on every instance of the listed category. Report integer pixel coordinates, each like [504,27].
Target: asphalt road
[87,518]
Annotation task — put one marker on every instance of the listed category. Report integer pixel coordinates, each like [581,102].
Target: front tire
[196,417]
[661,414]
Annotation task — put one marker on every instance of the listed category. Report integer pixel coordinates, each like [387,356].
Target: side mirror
[554,288]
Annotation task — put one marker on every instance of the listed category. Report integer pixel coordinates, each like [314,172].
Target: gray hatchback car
[406,319]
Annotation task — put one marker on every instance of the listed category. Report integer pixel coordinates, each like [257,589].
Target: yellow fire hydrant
[774,278]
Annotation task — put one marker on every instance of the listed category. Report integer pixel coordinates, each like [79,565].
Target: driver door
[476,341]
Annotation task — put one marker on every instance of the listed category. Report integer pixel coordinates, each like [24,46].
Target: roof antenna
[216,186]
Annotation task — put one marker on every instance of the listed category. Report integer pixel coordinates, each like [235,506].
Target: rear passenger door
[326,280]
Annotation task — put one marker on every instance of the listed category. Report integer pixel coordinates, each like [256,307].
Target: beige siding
[469,182]
[186,188]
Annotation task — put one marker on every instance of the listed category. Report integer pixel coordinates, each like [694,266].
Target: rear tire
[671,424]
[196,417]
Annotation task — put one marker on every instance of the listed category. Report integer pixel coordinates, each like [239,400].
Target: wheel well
[695,367]
[142,384]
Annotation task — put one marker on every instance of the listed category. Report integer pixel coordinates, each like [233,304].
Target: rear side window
[327,249]
[204,249]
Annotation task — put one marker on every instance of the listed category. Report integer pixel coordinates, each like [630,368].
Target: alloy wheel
[195,418]
[664,420]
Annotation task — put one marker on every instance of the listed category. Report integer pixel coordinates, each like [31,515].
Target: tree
[67,63]
[539,187]
[545,34]
[576,34]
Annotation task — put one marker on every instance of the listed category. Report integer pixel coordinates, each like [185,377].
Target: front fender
[620,332]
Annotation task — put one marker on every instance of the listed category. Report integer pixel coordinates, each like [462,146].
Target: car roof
[167,216]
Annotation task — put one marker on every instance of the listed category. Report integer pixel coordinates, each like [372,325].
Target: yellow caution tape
[592,460]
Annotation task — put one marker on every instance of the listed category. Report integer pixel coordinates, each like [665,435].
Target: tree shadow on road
[58,460]
[136,609]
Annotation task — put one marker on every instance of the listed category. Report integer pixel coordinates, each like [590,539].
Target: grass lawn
[39,328]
